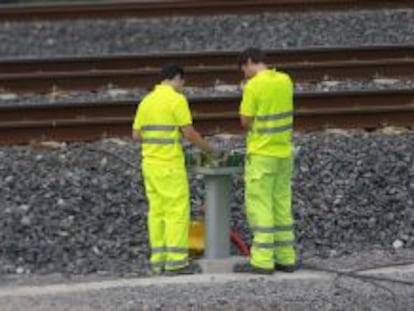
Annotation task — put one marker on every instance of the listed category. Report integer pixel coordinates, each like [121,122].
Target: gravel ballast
[252,295]
[228,32]
[81,209]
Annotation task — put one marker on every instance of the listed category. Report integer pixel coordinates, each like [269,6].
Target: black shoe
[286,268]
[189,269]
[157,272]
[248,268]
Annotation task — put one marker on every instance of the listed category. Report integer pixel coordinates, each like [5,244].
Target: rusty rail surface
[95,120]
[157,8]
[204,69]
[202,76]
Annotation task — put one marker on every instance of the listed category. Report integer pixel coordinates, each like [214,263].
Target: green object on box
[226,159]
[189,159]
[235,159]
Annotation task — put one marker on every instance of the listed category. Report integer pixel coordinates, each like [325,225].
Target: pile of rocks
[81,208]
[71,210]
[219,32]
[355,191]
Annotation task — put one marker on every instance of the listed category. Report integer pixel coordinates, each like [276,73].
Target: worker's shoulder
[179,98]
[251,84]
[148,97]
[266,76]
[172,98]
[279,78]
[283,76]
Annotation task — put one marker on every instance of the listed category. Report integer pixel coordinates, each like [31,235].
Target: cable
[354,275]
[401,263]
[373,280]
[394,296]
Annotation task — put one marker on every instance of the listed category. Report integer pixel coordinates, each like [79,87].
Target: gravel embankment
[253,295]
[206,33]
[113,93]
[75,210]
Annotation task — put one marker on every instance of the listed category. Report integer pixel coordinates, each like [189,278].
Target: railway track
[94,120]
[155,8]
[204,58]
[203,69]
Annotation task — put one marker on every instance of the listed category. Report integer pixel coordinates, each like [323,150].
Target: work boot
[249,268]
[156,272]
[286,268]
[189,269]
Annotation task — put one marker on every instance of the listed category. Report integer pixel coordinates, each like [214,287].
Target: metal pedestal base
[217,253]
[222,265]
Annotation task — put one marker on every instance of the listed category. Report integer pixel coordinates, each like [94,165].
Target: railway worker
[266,113]
[162,117]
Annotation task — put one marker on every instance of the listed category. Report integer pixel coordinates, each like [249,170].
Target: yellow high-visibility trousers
[268,200]
[167,192]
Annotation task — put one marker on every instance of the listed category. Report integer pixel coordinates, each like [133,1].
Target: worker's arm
[184,121]
[136,135]
[246,122]
[195,138]
[248,107]
[136,126]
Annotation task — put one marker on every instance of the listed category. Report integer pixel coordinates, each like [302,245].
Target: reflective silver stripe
[264,229]
[273,245]
[272,229]
[158,128]
[276,129]
[159,141]
[273,117]
[176,263]
[263,245]
[283,228]
[157,250]
[180,250]
[284,243]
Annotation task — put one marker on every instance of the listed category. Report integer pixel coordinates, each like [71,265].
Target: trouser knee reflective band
[168,216]
[268,209]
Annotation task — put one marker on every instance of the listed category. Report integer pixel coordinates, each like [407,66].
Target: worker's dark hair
[256,56]
[169,71]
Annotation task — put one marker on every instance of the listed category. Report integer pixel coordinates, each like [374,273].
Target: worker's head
[173,75]
[251,61]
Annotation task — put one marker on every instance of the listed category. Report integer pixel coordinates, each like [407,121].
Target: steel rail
[202,76]
[149,8]
[202,58]
[314,111]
